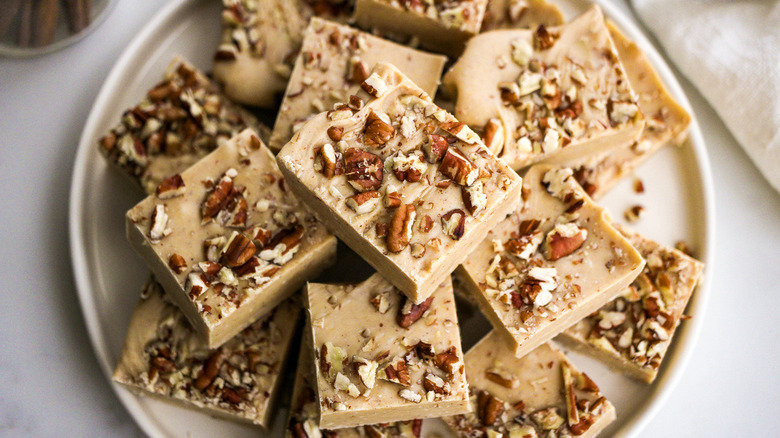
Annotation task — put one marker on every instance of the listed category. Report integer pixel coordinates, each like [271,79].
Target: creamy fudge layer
[551,94]
[227,240]
[302,420]
[550,263]
[163,358]
[381,358]
[539,395]
[633,332]
[666,122]
[438,25]
[520,14]
[334,61]
[179,121]
[260,40]
[400,180]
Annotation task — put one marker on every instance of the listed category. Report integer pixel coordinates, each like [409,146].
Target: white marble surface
[52,385]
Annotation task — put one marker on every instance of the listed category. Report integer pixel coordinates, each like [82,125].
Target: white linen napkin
[730,50]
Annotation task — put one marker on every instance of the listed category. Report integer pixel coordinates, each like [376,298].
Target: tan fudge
[547,94]
[334,61]
[442,26]
[633,332]
[227,240]
[260,40]
[180,120]
[549,264]
[520,14]
[380,358]
[539,395]
[665,122]
[402,182]
[302,418]
[163,358]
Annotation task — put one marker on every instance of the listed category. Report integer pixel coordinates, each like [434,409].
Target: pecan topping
[392,199]
[426,224]
[396,371]
[171,187]
[446,360]
[210,370]
[424,350]
[432,382]
[409,313]
[364,170]
[500,377]
[217,198]
[454,223]
[177,263]
[458,168]
[488,408]
[335,133]
[543,38]
[401,228]
[474,198]
[328,159]
[494,136]
[364,202]
[376,132]
[563,240]
[237,251]
[359,72]
[435,148]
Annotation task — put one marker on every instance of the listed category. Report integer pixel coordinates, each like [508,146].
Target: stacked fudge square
[498,197]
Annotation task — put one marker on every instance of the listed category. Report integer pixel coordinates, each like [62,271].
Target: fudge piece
[665,122]
[260,41]
[550,263]
[380,357]
[633,332]
[400,181]
[302,419]
[442,26]
[163,358]
[520,14]
[334,61]
[539,395]
[227,240]
[179,121]
[549,94]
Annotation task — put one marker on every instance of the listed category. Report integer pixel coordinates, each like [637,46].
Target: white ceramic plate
[109,276]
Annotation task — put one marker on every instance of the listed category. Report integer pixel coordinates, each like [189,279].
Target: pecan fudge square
[163,358]
[549,94]
[381,358]
[227,240]
[400,180]
[550,263]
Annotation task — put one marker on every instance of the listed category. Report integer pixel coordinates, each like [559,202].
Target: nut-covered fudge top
[536,92]
[554,253]
[665,122]
[395,354]
[227,226]
[180,120]
[260,40]
[464,15]
[302,420]
[163,355]
[639,325]
[539,395]
[334,61]
[520,14]
[404,173]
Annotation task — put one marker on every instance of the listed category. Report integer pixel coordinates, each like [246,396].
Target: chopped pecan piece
[446,360]
[328,160]
[454,223]
[217,198]
[563,240]
[401,228]
[364,170]
[543,38]
[176,263]
[488,408]
[458,168]
[376,132]
[432,382]
[238,250]
[435,148]
[364,202]
[409,313]
[396,371]
[335,133]
[210,370]
[171,187]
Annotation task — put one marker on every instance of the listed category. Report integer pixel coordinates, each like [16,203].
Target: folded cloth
[730,50]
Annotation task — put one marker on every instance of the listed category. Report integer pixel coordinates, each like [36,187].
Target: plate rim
[83,278]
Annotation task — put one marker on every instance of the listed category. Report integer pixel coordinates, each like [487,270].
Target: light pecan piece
[410,312]
[328,160]
[237,251]
[396,371]
[159,223]
[461,131]
[563,240]
[364,202]
[364,170]
[543,38]
[435,148]
[400,232]
[366,370]
[171,187]
[572,414]
[454,223]
[432,382]
[380,303]
[493,136]
[474,198]
[392,197]
[458,168]
[374,85]
[377,132]
[489,408]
